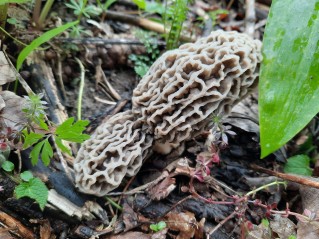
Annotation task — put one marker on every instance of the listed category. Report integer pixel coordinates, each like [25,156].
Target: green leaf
[155,7]
[154,227]
[158,226]
[265,222]
[34,155]
[141,4]
[45,37]
[289,80]
[26,176]
[72,132]
[63,148]
[161,225]
[34,189]
[13,1]
[7,166]
[47,152]
[31,138]
[298,164]
[108,3]
[43,125]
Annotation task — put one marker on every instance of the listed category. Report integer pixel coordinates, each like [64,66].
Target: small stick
[100,41]
[80,88]
[59,76]
[289,177]
[250,17]
[142,22]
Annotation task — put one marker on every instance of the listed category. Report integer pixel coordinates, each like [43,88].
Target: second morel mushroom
[173,103]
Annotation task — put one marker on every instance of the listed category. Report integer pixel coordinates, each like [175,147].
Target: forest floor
[241,196]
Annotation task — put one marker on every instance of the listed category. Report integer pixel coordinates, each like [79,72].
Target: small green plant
[158,226]
[33,188]
[45,37]
[104,7]
[174,17]
[150,7]
[38,132]
[28,185]
[143,62]
[39,138]
[80,7]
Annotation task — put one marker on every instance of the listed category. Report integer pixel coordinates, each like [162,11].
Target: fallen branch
[101,41]
[289,177]
[142,22]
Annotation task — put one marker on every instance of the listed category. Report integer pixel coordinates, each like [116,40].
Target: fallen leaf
[131,235]
[283,226]
[12,114]
[160,235]
[184,223]
[130,218]
[163,189]
[7,74]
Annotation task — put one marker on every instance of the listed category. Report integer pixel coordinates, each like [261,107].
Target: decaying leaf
[283,226]
[309,198]
[185,223]
[130,218]
[160,235]
[11,115]
[7,74]
[163,189]
[131,235]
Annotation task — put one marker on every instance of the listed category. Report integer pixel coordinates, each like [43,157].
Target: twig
[100,74]
[81,87]
[141,189]
[142,22]
[222,223]
[59,76]
[101,41]
[288,177]
[250,17]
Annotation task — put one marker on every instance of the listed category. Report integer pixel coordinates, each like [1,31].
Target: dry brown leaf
[163,189]
[7,74]
[160,235]
[4,234]
[130,218]
[45,230]
[309,198]
[16,226]
[131,235]
[12,113]
[308,230]
[185,223]
[199,232]
[260,232]
[283,226]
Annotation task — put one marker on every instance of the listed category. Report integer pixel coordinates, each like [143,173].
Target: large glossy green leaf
[289,80]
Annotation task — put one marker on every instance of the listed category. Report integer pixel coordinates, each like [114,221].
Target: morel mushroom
[116,149]
[174,102]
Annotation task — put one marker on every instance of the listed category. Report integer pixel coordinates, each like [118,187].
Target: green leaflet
[289,80]
[45,37]
[34,189]
[298,164]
